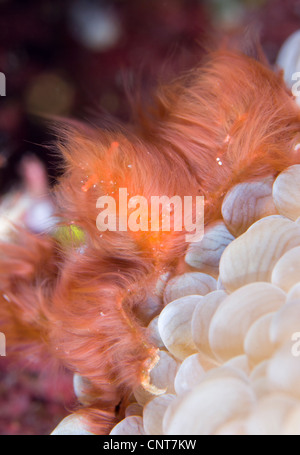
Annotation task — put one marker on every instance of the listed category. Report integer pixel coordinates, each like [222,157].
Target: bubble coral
[228,121]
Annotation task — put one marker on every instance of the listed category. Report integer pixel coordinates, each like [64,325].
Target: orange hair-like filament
[86,307]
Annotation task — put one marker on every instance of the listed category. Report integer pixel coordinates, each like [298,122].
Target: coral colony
[164,333]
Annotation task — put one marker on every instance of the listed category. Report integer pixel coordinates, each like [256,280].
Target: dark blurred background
[70,58]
